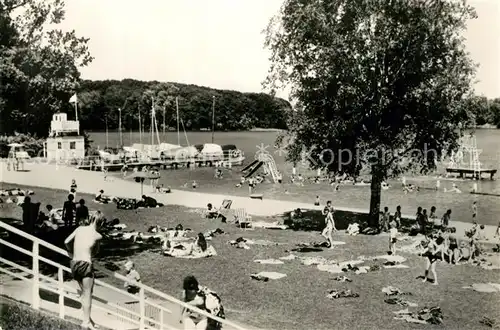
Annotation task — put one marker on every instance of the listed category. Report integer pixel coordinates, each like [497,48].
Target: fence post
[60,289]
[142,308]
[161,318]
[36,276]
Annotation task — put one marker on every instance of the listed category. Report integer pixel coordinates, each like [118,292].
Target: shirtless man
[81,244]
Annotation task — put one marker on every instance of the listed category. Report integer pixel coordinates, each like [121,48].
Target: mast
[107,136]
[152,119]
[213,117]
[177,107]
[140,127]
[120,126]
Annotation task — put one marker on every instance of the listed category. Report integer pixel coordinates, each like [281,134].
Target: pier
[474,173]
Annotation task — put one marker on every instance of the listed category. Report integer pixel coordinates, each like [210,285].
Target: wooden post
[142,308]
[60,289]
[162,312]
[35,302]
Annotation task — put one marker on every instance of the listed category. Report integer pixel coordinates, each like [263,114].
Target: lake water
[348,196]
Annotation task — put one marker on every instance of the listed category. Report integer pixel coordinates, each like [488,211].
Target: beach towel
[209,252]
[269,262]
[266,276]
[393,291]
[336,294]
[432,315]
[484,287]
[269,225]
[353,229]
[395,266]
[309,261]
[399,301]
[289,257]
[391,258]
[342,279]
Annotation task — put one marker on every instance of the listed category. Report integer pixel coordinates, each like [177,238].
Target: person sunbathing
[454,189]
[101,198]
[160,188]
[198,248]
[50,220]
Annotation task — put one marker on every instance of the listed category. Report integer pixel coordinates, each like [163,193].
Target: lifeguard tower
[64,143]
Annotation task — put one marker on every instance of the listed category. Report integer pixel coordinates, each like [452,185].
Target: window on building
[72,145]
[59,145]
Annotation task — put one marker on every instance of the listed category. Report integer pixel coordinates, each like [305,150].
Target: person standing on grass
[397,216]
[81,245]
[474,210]
[82,211]
[69,210]
[386,219]
[393,233]
[72,188]
[329,224]
[433,252]
[445,220]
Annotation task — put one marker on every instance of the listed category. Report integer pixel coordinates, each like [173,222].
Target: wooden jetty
[475,174]
[485,194]
[162,164]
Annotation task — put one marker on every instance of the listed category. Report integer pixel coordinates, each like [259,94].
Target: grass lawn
[297,301]
[17,316]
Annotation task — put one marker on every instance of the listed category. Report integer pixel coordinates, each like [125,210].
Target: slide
[254,169]
[248,167]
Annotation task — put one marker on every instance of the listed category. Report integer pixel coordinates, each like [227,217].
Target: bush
[32,144]
[16,316]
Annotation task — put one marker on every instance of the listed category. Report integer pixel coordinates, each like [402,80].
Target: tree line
[101,103]
[484,110]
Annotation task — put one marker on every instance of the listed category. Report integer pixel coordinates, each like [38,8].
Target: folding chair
[224,209]
[242,218]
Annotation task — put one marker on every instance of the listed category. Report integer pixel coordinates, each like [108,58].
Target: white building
[64,142]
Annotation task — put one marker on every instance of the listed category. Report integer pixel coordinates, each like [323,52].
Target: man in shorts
[329,223]
[81,244]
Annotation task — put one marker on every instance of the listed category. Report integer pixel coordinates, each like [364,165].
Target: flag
[73,99]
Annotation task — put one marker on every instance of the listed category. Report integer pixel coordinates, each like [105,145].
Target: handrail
[141,286]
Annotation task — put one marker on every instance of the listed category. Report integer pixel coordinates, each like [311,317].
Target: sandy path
[59,177]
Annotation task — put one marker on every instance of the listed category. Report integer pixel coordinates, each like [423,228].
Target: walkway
[59,177]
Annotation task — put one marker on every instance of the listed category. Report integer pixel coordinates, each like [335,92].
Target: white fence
[146,311]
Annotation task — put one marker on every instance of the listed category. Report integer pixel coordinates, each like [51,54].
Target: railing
[271,164]
[145,313]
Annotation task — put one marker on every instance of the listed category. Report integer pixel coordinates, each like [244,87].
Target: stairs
[112,307]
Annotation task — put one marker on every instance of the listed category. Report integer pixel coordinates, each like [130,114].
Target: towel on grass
[269,261]
[432,315]
[336,294]
[289,257]
[266,276]
[401,302]
[484,287]
[393,291]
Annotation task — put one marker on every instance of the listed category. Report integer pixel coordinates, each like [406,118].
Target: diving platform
[474,173]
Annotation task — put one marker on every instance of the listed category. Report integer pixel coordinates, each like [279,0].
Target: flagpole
[178,134]
[76,112]
[120,127]
[213,118]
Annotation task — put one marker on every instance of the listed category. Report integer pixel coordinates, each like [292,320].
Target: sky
[219,43]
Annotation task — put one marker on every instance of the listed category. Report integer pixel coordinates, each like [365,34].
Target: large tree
[377,84]
[38,64]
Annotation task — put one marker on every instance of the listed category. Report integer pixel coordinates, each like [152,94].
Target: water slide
[248,167]
[254,169]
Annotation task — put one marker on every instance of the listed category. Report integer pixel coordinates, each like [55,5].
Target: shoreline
[59,178]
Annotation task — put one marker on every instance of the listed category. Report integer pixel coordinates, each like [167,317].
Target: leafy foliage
[100,101]
[374,82]
[38,63]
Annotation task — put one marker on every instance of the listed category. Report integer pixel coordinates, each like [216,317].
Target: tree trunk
[376,189]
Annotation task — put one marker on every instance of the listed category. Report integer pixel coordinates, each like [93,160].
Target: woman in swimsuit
[192,295]
[433,252]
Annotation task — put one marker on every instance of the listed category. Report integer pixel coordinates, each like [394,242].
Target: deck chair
[242,218]
[224,209]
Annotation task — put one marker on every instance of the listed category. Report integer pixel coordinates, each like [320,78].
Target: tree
[377,84]
[38,63]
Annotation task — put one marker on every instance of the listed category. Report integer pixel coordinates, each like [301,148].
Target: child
[329,224]
[397,216]
[133,278]
[445,220]
[393,232]
[386,219]
[73,187]
[474,210]
[194,184]
[317,202]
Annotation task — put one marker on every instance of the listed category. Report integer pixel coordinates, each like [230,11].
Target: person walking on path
[81,245]
[69,210]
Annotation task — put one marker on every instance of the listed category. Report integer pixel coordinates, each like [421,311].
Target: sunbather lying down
[16,192]
[196,249]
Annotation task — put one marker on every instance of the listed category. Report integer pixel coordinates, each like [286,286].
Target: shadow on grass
[110,252]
